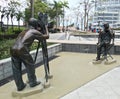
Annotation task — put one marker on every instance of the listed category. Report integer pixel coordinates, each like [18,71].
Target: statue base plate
[110,61]
[28,91]
[46,84]
[97,62]
[106,62]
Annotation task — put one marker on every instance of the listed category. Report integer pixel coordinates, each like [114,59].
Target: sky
[72,3]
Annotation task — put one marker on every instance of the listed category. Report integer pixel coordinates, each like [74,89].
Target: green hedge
[11,34]
[15,30]
[5,48]
[6,44]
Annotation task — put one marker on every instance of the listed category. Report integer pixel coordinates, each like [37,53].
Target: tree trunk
[7,21]
[56,18]
[12,24]
[87,21]
[85,18]
[19,25]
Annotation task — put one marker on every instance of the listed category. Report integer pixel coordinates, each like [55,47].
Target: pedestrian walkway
[68,37]
[106,86]
[72,71]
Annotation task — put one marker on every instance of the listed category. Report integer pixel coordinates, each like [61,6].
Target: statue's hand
[46,36]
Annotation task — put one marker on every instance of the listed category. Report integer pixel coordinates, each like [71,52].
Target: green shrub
[5,48]
[6,44]
[11,34]
[15,30]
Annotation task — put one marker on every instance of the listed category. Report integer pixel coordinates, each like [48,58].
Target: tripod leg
[37,51]
[45,59]
[110,55]
[46,56]
[109,50]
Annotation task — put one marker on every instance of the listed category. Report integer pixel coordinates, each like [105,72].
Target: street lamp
[63,19]
[32,8]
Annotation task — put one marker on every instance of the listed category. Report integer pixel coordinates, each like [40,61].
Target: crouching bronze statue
[104,41]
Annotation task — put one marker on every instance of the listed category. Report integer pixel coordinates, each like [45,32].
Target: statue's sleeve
[99,37]
[112,35]
[37,35]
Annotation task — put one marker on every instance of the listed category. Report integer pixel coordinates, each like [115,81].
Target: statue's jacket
[105,37]
[24,41]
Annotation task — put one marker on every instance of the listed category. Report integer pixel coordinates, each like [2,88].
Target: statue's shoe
[35,84]
[97,61]
[23,87]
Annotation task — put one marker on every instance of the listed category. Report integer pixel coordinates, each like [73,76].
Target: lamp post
[32,8]
[63,19]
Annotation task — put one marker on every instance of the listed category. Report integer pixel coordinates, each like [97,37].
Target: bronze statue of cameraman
[20,51]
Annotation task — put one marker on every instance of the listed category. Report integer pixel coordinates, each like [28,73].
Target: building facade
[107,11]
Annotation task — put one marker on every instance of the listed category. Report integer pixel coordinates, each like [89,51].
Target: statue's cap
[106,25]
[33,22]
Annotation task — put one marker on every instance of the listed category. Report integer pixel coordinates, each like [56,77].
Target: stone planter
[6,66]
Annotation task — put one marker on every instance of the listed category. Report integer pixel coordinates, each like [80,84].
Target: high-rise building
[107,11]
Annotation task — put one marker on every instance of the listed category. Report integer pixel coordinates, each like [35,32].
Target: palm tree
[39,6]
[19,16]
[12,6]
[7,15]
[2,16]
[12,14]
[57,8]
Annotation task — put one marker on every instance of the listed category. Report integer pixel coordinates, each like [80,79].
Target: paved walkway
[72,71]
[66,38]
[106,86]
[79,68]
